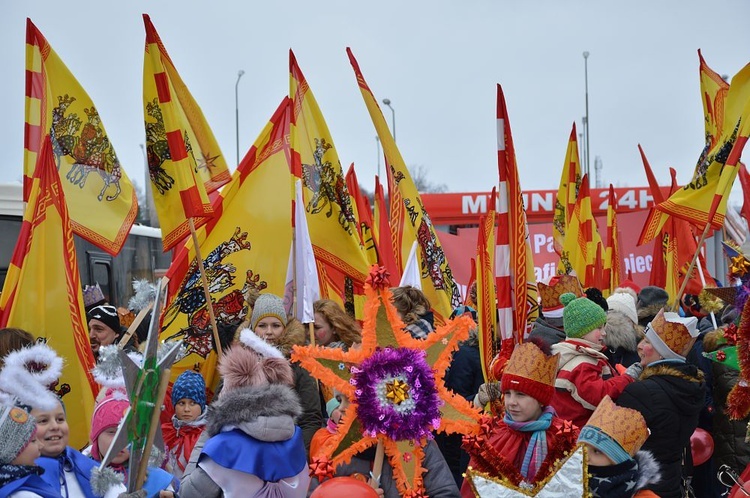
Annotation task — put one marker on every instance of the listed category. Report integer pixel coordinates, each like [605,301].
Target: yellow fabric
[582,240]
[486,300]
[247,248]
[42,294]
[612,259]
[90,173]
[331,217]
[567,192]
[184,159]
[410,221]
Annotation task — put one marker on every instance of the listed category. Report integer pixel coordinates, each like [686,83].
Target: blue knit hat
[189,385]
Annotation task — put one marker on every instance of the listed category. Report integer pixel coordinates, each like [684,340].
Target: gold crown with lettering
[558,285]
[624,425]
[531,371]
[675,334]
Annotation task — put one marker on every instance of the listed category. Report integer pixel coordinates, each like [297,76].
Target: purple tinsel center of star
[742,294]
[379,415]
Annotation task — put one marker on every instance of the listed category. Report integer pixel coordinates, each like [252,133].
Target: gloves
[487,392]
[634,370]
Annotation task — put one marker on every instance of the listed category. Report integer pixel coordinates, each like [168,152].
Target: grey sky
[437,61]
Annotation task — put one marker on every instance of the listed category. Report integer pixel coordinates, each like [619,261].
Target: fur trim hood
[247,405]
[294,335]
[648,469]
[647,313]
[621,332]
[690,374]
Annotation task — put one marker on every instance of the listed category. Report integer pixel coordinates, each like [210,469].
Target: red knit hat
[532,372]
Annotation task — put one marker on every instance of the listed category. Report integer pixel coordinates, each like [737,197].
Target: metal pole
[237,112]
[588,136]
[393,117]
[377,140]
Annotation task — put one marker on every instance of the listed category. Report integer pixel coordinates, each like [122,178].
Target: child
[255,448]
[523,446]
[19,475]
[584,375]
[188,421]
[613,437]
[64,468]
[107,416]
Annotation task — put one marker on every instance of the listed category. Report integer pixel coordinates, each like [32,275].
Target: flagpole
[691,267]
[207,292]
[703,283]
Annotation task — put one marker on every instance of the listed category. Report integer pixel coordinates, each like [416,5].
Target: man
[104,327]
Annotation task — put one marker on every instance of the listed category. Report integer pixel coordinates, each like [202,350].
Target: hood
[569,350]
[252,408]
[711,341]
[648,469]
[683,384]
[294,335]
[647,313]
[621,332]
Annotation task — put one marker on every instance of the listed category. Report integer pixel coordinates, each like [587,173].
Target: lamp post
[586,123]
[393,117]
[377,140]
[237,112]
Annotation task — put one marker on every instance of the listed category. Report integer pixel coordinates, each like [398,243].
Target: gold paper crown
[675,335]
[559,285]
[530,362]
[624,425]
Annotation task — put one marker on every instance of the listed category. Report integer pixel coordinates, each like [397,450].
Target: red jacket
[584,377]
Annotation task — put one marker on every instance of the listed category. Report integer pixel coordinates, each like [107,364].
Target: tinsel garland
[738,401]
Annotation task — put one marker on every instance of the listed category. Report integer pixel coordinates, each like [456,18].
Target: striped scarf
[536,452]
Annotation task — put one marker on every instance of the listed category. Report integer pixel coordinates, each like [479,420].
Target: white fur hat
[624,303]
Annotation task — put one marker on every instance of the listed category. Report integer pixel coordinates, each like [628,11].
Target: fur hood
[294,335]
[648,469]
[647,313]
[690,374]
[621,333]
[711,341]
[569,350]
[245,406]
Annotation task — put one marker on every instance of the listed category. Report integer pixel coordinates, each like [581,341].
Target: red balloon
[701,446]
[344,487]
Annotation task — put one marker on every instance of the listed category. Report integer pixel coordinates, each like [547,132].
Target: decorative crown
[624,425]
[674,334]
[530,362]
[558,285]
[92,295]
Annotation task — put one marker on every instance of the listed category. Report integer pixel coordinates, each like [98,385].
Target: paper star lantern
[569,480]
[395,385]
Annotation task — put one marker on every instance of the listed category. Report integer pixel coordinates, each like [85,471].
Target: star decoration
[730,334]
[395,386]
[207,161]
[739,266]
[721,355]
[567,428]
[321,468]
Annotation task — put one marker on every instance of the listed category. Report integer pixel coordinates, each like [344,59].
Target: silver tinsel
[145,294]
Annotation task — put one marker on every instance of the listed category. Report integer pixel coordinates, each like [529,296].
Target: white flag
[308,286]
[411,275]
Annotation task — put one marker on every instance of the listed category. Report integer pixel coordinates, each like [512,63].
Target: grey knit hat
[268,305]
[17,428]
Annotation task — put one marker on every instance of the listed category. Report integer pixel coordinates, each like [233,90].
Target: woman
[524,445]
[334,328]
[414,309]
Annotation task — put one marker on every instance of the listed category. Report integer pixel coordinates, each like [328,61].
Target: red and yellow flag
[745,181]
[581,241]
[612,260]
[486,297]
[567,193]
[342,264]
[90,173]
[384,234]
[42,292]
[517,293]
[364,214]
[409,219]
[184,160]
[245,246]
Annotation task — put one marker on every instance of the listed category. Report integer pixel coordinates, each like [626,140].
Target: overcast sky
[438,62]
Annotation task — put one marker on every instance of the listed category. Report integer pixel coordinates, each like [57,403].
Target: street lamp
[586,123]
[377,140]
[237,112]
[393,117]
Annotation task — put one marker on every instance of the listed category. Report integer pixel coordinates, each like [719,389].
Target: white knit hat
[624,303]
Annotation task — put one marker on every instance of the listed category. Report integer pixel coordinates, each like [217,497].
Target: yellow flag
[331,219]
[414,223]
[612,261]
[184,160]
[567,192]
[42,292]
[245,248]
[582,240]
[90,173]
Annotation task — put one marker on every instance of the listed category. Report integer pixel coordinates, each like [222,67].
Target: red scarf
[180,442]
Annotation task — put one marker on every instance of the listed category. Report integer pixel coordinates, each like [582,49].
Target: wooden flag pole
[377,465]
[204,279]
[691,267]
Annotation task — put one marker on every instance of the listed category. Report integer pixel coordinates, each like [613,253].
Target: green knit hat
[581,315]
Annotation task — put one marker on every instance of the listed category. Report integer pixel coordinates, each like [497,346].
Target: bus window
[100,268]
[10,228]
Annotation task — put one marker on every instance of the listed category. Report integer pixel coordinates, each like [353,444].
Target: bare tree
[420,175]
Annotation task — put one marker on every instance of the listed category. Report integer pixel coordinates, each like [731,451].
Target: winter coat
[627,479]
[438,482]
[584,378]
[669,395]
[730,447]
[621,339]
[254,445]
[549,330]
[69,472]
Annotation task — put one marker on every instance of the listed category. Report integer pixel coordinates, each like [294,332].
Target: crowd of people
[622,377]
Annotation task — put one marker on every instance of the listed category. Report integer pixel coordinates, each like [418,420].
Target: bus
[141,256]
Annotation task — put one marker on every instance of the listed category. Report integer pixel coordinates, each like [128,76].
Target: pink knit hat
[107,413]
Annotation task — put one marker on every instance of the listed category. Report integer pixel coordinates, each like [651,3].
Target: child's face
[52,430]
[105,441]
[521,406]
[338,413]
[597,457]
[596,336]
[30,453]
[187,410]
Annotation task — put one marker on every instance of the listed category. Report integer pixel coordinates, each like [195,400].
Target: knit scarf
[10,472]
[180,437]
[536,452]
[615,481]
